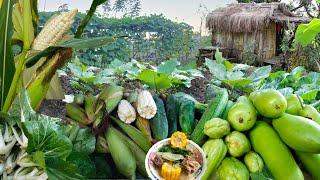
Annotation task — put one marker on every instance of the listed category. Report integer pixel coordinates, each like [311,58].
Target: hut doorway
[279,38]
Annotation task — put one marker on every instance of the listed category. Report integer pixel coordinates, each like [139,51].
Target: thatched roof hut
[261,23]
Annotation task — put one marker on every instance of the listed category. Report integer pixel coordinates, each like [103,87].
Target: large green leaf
[82,43]
[167,67]
[260,73]
[7,67]
[155,80]
[306,33]
[43,135]
[58,169]
[85,165]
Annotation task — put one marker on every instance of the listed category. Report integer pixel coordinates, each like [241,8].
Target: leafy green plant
[306,33]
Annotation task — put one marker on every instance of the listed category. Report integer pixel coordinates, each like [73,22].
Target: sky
[177,10]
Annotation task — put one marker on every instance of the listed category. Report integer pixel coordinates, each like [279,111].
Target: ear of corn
[17,21]
[110,96]
[77,114]
[170,172]
[179,140]
[89,106]
[146,106]
[143,125]
[126,112]
[134,134]
[40,82]
[54,30]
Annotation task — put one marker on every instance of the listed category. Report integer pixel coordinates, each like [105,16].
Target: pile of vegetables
[264,135]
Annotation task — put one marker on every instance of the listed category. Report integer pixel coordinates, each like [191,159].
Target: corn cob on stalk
[146,106]
[170,172]
[54,30]
[126,112]
[40,82]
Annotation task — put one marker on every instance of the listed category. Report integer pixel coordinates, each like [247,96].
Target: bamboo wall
[265,42]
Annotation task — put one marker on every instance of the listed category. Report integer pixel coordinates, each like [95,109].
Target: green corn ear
[111,96]
[121,154]
[134,134]
[90,106]
[77,114]
[138,153]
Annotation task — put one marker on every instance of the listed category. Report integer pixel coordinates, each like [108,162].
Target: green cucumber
[186,116]
[159,123]
[276,155]
[172,107]
[214,110]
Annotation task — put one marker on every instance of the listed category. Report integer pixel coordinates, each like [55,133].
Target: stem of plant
[17,75]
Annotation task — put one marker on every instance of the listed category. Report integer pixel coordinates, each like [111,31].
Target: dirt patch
[53,108]
[198,87]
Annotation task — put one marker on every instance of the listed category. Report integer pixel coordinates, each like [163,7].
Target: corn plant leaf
[82,43]
[7,67]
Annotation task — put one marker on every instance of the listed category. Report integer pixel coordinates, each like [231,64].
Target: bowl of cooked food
[175,158]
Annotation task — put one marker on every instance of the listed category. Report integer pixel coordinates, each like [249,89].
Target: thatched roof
[250,17]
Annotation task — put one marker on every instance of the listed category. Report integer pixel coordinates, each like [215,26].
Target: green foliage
[7,68]
[49,147]
[151,37]
[155,80]
[306,33]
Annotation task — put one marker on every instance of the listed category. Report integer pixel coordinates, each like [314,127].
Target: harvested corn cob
[146,106]
[54,30]
[170,172]
[126,112]
[179,140]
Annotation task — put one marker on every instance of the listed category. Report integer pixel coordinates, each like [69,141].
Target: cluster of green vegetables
[241,78]
[244,140]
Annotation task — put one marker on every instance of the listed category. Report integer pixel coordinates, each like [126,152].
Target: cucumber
[172,108]
[215,109]
[299,133]
[311,162]
[274,152]
[159,123]
[186,116]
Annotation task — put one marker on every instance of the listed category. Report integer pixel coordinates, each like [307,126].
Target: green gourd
[275,154]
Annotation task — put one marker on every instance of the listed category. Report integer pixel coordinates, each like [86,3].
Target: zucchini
[214,110]
[186,116]
[276,155]
[172,108]
[159,123]
[311,162]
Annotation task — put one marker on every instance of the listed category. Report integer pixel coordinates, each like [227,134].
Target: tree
[126,8]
